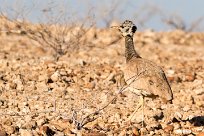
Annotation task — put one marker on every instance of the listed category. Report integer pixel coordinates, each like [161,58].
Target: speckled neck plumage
[129,49]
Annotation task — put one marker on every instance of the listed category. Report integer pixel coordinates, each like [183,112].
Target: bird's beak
[115,27]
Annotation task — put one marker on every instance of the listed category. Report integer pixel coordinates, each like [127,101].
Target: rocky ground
[42,96]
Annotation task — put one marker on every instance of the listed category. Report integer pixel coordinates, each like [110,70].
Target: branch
[93,116]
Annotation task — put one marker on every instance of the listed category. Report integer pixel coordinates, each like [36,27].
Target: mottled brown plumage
[150,79]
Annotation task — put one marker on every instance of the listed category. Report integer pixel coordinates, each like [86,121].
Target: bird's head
[127,28]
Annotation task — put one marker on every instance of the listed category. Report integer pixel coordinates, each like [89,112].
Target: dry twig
[93,116]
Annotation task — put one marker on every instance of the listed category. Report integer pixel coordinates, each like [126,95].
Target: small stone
[41,121]
[13,85]
[152,133]
[20,123]
[143,131]
[35,133]
[178,115]
[177,125]
[45,130]
[7,121]
[186,108]
[3,133]
[197,82]
[59,133]
[94,134]
[60,124]
[170,72]
[101,124]
[41,86]
[123,132]
[67,131]
[117,116]
[182,131]
[169,128]
[42,78]
[135,131]
[200,134]
[25,110]
[63,73]
[24,132]
[171,78]
[190,77]
[55,76]
[89,85]
[9,129]
[199,91]
[197,129]
[29,125]
[20,86]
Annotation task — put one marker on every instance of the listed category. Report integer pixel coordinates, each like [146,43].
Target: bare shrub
[59,38]
[177,22]
[60,33]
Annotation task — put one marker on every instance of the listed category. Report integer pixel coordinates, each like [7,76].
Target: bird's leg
[143,104]
[141,101]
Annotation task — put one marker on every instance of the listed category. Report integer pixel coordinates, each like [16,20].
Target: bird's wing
[145,75]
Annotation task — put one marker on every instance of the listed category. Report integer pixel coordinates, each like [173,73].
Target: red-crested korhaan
[143,77]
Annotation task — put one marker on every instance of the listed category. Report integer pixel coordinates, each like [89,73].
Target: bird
[143,77]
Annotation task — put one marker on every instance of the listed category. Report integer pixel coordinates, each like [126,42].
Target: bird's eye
[134,28]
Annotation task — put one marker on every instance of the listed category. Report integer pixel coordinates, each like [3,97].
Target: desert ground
[78,93]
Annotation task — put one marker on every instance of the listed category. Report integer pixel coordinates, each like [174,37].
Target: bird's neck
[129,49]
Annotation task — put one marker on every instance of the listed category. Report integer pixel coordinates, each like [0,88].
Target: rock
[102,124]
[24,132]
[20,86]
[3,133]
[169,128]
[177,125]
[197,83]
[89,86]
[9,129]
[41,121]
[94,134]
[59,133]
[200,134]
[123,132]
[25,110]
[182,131]
[7,121]
[135,131]
[61,124]
[190,77]
[29,125]
[45,130]
[178,115]
[13,85]
[143,131]
[197,129]
[41,86]
[199,91]
[186,108]
[20,123]
[68,132]
[55,77]
[43,77]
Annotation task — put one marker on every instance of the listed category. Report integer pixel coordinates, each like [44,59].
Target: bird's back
[147,78]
